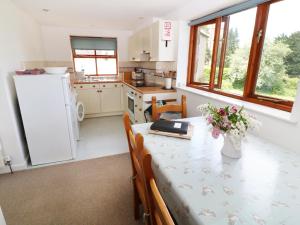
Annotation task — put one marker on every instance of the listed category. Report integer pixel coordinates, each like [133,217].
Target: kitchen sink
[98,79]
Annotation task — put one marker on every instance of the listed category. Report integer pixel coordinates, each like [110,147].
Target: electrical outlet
[7,159]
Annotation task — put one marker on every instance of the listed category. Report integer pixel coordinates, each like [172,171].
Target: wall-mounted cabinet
[148,44]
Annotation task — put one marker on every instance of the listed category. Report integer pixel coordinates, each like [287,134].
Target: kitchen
[102,88]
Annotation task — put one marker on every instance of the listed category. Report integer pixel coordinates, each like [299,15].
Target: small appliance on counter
[138,83]
[168,79]
[138,78]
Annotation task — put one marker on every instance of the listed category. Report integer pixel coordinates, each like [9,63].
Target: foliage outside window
[252,55]
[94,62]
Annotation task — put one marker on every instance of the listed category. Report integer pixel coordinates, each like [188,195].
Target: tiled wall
[153,70]
[123,66]
[159,67]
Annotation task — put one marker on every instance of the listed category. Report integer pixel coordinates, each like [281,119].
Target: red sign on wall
[167,31]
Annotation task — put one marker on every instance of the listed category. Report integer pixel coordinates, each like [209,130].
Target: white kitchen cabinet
[125,97]
[139,109]
[133,48]
[101,99]
[150,40]
[139,43]
[111,98]
[146,40]
[90,96]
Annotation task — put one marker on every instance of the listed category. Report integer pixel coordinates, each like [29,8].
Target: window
[279,70]
[238,44]
[253,55]
[204,50]
[95,56]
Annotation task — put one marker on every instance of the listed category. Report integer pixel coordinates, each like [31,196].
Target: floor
[88,192]
[100,137]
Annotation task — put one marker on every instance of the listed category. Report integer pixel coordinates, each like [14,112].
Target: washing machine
[78,114]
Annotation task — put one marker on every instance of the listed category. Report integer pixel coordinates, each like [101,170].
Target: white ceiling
[107,14]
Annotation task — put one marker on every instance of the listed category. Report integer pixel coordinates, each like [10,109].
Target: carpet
[90,192]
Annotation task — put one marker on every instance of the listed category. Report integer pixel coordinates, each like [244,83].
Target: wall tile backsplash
[153,70]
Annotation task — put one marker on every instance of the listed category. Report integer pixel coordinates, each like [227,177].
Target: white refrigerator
[47,108]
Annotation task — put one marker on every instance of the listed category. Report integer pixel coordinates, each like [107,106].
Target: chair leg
[136,204]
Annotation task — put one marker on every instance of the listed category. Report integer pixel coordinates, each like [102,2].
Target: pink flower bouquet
[228,120]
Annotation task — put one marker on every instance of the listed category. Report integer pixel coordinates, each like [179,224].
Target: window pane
[84,52]
[203,55]
[239,39]
[107,66]
[88,65]
[279,71]
[221,40]
[105,52]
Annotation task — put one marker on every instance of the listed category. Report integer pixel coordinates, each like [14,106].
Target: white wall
[20,40]
[2,220]
[194,9]
[284,132]
[57,41]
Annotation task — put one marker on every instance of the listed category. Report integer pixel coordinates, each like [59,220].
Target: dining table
[201,186]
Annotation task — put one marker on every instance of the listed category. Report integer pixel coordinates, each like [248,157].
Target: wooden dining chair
[179,108]
[159,212]
[138,180]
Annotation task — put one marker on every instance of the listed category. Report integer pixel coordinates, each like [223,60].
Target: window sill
[275,113]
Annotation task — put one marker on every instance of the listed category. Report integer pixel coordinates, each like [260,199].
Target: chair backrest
[127,126]
[180,108]
[137,145]
[158,210]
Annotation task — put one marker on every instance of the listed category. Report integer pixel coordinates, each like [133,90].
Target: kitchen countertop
[149,90]
[142,90]
[98,80]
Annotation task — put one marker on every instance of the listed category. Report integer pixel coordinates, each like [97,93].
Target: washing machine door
[80,111]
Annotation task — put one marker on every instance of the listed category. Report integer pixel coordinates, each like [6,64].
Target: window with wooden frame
[95,56]
[252,55]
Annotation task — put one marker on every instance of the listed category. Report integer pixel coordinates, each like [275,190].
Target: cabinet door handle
[136,121]
[100,91]
[94,86]
[140,109]
[140,96]
[135,94]
[103,85]
[131,92]
[135,105]
[81,86]
[122,85]
[116,85]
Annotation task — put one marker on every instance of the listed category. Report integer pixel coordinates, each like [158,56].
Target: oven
[131,105]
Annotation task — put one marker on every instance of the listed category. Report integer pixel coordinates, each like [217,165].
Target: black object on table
[178,127]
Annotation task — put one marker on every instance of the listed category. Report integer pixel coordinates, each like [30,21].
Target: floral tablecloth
[203,187]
